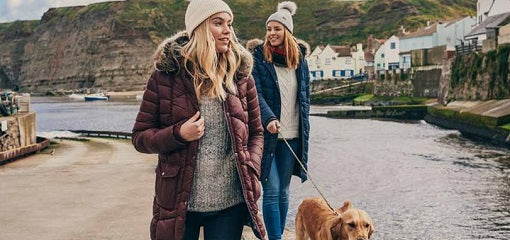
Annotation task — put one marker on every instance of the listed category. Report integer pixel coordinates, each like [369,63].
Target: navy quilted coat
[266,81]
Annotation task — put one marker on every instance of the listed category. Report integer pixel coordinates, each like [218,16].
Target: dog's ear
[371,228]
[336,229]
[347,205]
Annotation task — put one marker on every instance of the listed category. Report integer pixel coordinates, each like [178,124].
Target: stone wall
[444,82]
[480,76]
[20,131]
[393,84]
[426,57]
[425,81]
[504,35]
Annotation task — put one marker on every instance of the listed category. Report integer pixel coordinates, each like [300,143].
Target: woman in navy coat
[283,84]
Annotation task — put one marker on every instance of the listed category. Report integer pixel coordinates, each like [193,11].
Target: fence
[464,49]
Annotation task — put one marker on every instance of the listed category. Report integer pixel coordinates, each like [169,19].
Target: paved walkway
[100,189]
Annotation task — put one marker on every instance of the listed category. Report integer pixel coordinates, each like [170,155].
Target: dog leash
[308,175]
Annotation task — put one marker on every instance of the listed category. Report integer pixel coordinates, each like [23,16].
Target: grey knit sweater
[216,184]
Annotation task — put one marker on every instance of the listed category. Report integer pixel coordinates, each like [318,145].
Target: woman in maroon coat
[200,113]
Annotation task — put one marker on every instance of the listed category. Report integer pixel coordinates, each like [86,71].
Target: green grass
[466,117]
[506,127]
[364,97]
[17,26]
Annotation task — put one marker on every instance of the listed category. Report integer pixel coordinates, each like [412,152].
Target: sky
[12,10]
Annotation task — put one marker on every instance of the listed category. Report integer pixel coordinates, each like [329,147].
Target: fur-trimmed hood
[254,43]
[168,56]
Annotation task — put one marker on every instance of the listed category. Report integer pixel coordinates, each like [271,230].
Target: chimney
[401,31]
[359,47]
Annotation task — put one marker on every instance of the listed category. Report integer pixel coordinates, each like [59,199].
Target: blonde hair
[290,47]
[212,72]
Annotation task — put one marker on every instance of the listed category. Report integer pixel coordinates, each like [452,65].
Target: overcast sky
[11,10]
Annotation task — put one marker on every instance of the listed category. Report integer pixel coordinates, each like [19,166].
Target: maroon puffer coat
[167,103]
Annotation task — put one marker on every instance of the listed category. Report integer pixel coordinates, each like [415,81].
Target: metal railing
[107,134]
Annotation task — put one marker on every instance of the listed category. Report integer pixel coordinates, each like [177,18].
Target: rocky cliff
[86,49]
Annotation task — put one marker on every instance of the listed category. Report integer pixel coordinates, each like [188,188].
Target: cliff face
[85,51]
[12,45]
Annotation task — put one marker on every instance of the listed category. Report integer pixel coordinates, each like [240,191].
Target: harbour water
[416,180]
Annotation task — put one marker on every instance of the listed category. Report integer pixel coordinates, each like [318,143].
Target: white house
[358,57]
[404,60]
[452,33]
[447,34]
[344,64]
[421,39]
[489,8]
[335,62]
[387,56]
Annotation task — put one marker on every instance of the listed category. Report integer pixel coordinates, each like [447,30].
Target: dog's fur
[315,221]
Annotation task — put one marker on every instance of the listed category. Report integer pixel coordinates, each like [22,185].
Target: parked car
[360,77]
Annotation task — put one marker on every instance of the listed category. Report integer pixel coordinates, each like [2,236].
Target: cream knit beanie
[283,15]
[199,10]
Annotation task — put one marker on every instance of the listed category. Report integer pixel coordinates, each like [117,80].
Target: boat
[96,97]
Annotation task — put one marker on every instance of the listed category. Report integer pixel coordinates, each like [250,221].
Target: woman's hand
[273,126]
[193,129]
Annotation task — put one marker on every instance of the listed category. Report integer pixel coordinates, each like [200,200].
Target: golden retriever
[315,221]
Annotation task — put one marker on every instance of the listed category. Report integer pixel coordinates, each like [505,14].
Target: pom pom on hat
[283,15]
[289,6]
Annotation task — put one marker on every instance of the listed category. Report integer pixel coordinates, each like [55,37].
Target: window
[382,55]
[328,61]
[392,45]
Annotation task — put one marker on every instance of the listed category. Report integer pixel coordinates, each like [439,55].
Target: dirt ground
[98,189]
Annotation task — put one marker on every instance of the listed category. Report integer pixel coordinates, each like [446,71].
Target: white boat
[96,97]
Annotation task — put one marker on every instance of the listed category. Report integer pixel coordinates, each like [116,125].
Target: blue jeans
[219,225]
[275,202]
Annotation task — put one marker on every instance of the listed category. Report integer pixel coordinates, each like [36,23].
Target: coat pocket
[254,175]
[166,185]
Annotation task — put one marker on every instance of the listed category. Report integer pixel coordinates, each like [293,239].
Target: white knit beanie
[200,10]
[283,15]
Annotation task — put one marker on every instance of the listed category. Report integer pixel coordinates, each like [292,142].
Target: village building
[491,16]
[336,62]
[387,56]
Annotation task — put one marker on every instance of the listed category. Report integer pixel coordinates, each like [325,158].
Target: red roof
[422,32]
[342,51]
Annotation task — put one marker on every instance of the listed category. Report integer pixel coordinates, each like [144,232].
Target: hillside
[315,21]
[108,45]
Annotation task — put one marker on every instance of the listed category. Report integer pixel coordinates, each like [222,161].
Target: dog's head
[353,224]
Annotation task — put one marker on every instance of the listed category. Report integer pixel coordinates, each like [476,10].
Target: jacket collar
[168,57]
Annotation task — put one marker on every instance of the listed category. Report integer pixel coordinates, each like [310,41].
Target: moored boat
[96,97]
